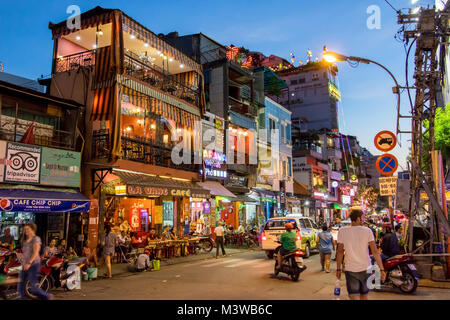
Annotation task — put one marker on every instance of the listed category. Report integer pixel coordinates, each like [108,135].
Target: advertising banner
[60,167]
[23,162]
[42,205]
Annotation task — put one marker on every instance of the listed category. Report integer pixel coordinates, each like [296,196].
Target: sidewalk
[121,269]
[434,284]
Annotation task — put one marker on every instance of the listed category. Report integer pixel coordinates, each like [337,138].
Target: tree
[441,135]
[368,195]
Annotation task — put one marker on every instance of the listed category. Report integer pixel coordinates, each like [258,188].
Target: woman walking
[31,262]
[109,242]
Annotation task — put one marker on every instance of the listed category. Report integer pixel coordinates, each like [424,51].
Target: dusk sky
[269,26]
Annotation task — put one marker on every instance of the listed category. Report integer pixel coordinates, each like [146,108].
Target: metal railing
[75,61]
[154,76]
[13,129]
[139,149]
[242,108]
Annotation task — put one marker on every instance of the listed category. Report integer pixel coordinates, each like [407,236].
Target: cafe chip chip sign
[388,186]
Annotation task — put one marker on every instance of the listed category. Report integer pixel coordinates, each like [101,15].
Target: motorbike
[56,273]
[401,273]
[291,264]
[206,243]
[10,268]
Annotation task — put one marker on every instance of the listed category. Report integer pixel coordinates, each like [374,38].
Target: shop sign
[60,167]
[24,163]
[334,91]
[346,199]
[158,191]
[158,218]
[238,181]
[120,190]
[206,207]
[135,219]
[42,205]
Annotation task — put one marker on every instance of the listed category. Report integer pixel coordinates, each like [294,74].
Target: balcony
[242,108]
[151,74]
[75,61]
[139,149]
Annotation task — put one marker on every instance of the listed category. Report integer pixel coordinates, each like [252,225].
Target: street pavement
[246,275]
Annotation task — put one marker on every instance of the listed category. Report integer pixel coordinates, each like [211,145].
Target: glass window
[307,223]
[302,224]
[278,224]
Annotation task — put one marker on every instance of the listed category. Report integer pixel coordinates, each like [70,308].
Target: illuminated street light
[332,57]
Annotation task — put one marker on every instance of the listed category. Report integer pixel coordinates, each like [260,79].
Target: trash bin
[156,264]
[92,273]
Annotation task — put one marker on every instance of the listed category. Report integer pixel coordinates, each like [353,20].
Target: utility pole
[429,29]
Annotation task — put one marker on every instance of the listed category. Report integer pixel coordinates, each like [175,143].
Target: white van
[307,233]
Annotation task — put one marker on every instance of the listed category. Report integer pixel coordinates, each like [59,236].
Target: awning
[21,200]
[245,198]
[142,184]
[301,189]
[217,189]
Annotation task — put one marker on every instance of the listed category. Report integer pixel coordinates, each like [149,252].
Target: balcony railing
[13,129]
[139,149]
[241,107]
[75,61]
[154,76]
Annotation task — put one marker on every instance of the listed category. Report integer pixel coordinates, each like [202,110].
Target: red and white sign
[385,141]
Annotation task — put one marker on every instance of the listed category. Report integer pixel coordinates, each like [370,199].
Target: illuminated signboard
[334,91]
[346,199]
[214,162]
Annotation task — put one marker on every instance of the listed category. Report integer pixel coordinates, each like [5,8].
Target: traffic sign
[388,186]
[385,141]
[386,164]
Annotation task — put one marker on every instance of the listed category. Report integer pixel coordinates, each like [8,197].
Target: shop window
[167,213]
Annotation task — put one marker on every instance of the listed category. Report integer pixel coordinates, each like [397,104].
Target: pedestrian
[31,262]
[326,247]
[356,240]
[109,242]
[7,240]
[220,232]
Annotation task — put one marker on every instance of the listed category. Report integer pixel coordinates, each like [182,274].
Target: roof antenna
[2,67]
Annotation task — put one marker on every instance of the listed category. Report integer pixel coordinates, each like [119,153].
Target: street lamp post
[333,57]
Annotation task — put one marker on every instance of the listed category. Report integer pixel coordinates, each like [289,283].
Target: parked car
[335,228]
[307,234]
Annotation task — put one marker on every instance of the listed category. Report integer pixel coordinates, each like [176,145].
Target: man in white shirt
[356,240]
[219,231]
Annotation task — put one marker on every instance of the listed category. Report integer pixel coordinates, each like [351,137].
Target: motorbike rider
[288,242]
[389,243]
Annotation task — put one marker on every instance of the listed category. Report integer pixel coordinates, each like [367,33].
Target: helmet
[147,252]
[289,226]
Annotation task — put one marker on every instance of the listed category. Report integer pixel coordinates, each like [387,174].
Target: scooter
[10,268]
[401,273]
[54,274]
[291,263]
[206,243]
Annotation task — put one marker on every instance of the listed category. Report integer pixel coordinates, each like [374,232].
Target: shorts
[357,282]
[283,251]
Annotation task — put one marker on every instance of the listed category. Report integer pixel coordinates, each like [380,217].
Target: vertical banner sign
[158,214]
[3,160]
[24,165]
[388,186]
[93,224]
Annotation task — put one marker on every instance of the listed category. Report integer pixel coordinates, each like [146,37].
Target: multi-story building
[313,95]
[275,157]
[230,94]
[143,108]
[40,162]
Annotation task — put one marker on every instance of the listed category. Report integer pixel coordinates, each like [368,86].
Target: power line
[391,5]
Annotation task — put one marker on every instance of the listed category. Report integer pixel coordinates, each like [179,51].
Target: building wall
[310,99]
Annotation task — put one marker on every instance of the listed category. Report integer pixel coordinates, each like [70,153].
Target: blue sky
[269,26]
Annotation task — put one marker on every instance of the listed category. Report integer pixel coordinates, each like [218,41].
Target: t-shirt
[325,242]
[219,231]
[288,239]
[110,243]
[389,245]
[356,245]
[143,261]
[27,250]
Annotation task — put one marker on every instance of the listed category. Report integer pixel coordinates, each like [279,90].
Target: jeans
[32,275]
[219,241]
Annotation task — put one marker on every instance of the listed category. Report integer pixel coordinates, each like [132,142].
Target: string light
[132,36]
[78,38]
[181,65]
[170,59]
[146,44]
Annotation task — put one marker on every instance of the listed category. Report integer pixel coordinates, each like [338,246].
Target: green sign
[60,168]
